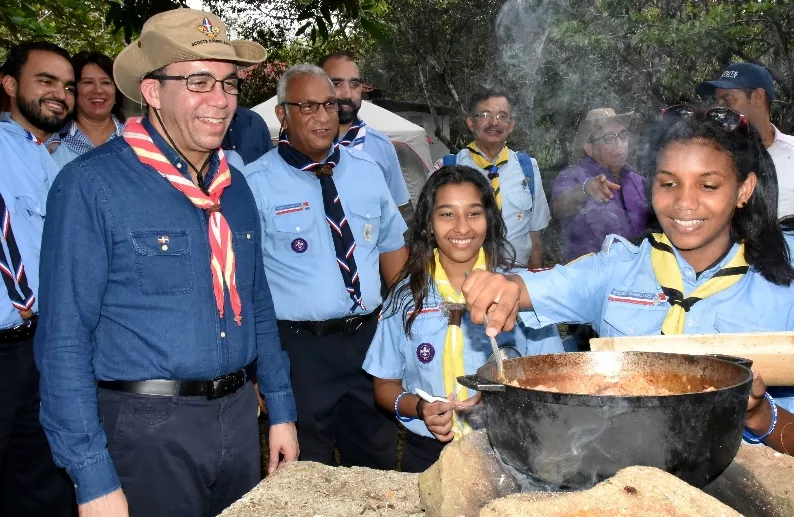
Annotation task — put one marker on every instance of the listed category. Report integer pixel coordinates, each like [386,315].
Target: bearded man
[39,82]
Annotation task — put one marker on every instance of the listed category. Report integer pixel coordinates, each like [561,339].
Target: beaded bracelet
[752,438]
[397,412]
[584,184]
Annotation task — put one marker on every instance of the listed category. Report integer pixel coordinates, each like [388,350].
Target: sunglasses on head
[726,118]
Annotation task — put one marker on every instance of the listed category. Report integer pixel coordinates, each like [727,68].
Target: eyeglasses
[203,83]
[726,118]
[611,138]
[310,108]
[487,115]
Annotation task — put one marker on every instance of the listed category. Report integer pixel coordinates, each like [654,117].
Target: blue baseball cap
[740,76]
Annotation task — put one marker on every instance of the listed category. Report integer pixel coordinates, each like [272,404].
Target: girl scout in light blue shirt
[422,341]
[719,264]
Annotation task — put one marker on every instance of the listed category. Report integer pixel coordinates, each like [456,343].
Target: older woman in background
[99,115]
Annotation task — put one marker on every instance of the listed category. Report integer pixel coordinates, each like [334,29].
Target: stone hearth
[468,481]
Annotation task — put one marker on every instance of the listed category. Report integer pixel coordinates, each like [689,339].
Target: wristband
[584,183]
[397,412]
[752,438]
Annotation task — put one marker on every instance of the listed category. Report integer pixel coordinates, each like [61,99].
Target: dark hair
[756,224]
[408,298]
[86,57]
[748,92]
[19,54]
[341,54]
[484,94]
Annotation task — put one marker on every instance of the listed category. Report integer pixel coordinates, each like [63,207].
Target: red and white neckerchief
[220,234]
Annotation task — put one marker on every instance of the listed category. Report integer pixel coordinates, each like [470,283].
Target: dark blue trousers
[336,401]
[182,456]
[30,483]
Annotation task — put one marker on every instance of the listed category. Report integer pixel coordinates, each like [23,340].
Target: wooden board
[772,353]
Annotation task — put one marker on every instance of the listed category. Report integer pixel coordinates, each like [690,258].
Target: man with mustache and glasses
[343,71]
[330,229]
[514,176]
[39,81]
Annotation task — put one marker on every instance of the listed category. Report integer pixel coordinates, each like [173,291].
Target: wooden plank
[772,353]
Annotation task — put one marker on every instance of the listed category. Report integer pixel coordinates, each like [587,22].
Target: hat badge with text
[208,29]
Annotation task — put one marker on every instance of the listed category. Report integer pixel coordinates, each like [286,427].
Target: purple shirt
[625,215]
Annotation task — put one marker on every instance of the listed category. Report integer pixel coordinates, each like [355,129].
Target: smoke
[576,455]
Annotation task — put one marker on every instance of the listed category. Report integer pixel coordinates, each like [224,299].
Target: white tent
[409,140]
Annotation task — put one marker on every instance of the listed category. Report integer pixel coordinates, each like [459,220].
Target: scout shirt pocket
[163,262]
[426,344]
[296,234]
[34,206]
[724,324]
[520,203]
[244,252]
[364,219]
[630,313]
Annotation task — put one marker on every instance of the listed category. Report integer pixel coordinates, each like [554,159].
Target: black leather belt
[212,389]
[346,326]
[21,333]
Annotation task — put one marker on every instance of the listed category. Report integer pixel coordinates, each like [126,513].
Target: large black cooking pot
[577,440]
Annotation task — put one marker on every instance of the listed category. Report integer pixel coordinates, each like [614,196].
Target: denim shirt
[248,135]
[118,304]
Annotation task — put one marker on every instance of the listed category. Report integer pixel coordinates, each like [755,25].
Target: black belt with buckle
[346,326]
[21,333]
[212,389]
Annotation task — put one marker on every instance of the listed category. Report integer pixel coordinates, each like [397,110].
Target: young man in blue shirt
[156,313]
[39,82]
[326,241]
[343,71]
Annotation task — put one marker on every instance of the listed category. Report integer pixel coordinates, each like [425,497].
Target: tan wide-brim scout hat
[179,35]
[596,119]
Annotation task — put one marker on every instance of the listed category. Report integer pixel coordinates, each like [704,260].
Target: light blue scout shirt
[616,291]
[299,255]
[521,213]
[25,178]
[417,359]
[380,148]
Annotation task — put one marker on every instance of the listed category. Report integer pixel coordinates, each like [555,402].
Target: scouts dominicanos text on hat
[179,35]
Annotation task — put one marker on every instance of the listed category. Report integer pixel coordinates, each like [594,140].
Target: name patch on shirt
[637,298]
[293,207]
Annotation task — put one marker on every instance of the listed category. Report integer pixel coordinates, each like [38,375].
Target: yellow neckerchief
[492,168]
[452,358]
[668,274]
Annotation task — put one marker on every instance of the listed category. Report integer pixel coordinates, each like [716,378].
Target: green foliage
[128,16]
[72,24]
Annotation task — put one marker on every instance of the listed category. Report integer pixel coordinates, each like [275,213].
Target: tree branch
[436,120]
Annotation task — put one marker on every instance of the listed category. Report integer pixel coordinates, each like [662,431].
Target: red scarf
[220,235]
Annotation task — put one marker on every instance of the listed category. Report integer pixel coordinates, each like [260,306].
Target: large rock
[632,492]
[466,477]
[307,489]
[759,483]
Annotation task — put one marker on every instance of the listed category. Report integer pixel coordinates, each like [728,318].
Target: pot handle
[479,383]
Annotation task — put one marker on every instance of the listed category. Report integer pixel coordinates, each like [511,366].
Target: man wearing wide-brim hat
[156,316]
[602,194]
